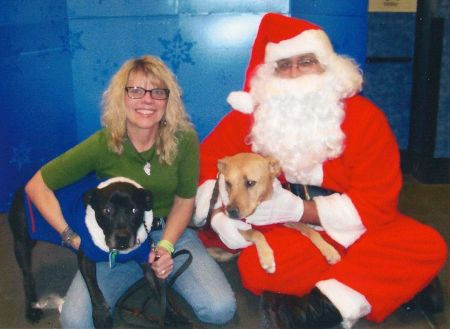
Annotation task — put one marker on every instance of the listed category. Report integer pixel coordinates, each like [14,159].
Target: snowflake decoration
[21,156]
[102,70]
[177,51]
[71,42]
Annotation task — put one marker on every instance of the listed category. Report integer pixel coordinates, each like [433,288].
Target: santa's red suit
[388,263]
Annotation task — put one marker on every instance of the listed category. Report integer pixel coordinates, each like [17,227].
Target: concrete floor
[54,268]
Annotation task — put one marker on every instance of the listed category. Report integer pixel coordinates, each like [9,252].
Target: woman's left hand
[161,262]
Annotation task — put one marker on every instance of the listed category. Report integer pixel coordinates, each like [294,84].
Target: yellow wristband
[166,244]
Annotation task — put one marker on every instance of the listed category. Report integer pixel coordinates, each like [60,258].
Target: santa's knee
[437,247]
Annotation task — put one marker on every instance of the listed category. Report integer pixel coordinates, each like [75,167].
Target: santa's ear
[147,197]
[88,196]
[274,166]
[221,164]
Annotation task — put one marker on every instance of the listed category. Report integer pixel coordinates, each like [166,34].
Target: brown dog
[248,180]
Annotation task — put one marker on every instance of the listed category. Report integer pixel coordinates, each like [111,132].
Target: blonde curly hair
[175,118]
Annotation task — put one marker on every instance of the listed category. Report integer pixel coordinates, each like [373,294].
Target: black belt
[307,192]
[158,223]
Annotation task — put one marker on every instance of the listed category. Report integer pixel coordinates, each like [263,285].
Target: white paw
[332,256]
[267,261]
[269,268]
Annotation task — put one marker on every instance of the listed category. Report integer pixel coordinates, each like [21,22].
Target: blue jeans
[203,285]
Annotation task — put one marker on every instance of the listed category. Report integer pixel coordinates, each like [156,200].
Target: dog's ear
[88,196]
[148,199]
[274,166]
[221,164]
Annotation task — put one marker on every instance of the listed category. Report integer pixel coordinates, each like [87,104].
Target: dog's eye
[250,183]
[106,210]
[134,210]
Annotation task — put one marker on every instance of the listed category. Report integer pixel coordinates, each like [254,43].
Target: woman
[148,137]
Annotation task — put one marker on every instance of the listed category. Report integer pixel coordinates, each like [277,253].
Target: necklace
[147,166]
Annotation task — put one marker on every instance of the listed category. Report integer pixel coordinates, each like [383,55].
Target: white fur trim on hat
[310,41]
[241,101]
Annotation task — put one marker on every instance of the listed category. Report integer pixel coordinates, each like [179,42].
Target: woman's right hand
[76,242]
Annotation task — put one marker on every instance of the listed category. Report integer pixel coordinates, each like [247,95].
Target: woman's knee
[76,311]
[71,317]
[438,244]
[219,312]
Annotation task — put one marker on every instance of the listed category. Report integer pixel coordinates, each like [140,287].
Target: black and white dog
[117,221]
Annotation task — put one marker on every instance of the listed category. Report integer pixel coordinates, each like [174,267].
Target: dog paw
[267,261]
[269,268]
[332,256]
[34,315]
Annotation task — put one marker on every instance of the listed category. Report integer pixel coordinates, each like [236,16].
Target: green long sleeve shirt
[94,155]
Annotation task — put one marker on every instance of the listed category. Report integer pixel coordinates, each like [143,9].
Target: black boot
[430,299]
[311,311]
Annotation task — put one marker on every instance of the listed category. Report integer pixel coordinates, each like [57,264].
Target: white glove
[282,207]
[202,202]
[228,231]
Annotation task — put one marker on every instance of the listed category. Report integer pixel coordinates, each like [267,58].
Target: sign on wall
[393,6]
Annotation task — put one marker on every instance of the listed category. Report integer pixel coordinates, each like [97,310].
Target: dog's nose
[233,212]
[122,241]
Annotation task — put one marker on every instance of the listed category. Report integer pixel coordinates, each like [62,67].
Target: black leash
[212,203]
[163,284]
[158,285]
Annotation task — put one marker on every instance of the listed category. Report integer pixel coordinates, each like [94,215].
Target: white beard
[298,121]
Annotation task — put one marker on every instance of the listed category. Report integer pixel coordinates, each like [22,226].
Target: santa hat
[280,37]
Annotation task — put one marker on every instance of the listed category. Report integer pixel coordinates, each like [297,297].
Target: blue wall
[58,56]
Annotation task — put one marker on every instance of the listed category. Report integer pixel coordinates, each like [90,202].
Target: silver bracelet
[67,235]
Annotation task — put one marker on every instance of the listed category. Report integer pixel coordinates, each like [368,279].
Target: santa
[300,104]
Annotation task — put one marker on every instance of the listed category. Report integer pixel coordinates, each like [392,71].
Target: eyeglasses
[155,93]
[302,62]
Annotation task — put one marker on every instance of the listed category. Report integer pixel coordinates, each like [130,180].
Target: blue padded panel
[330,8]
[397,76]
[202,7]
[391,35]
[347,33]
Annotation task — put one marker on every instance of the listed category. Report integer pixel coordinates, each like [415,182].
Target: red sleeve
[371,163]
[227,138]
